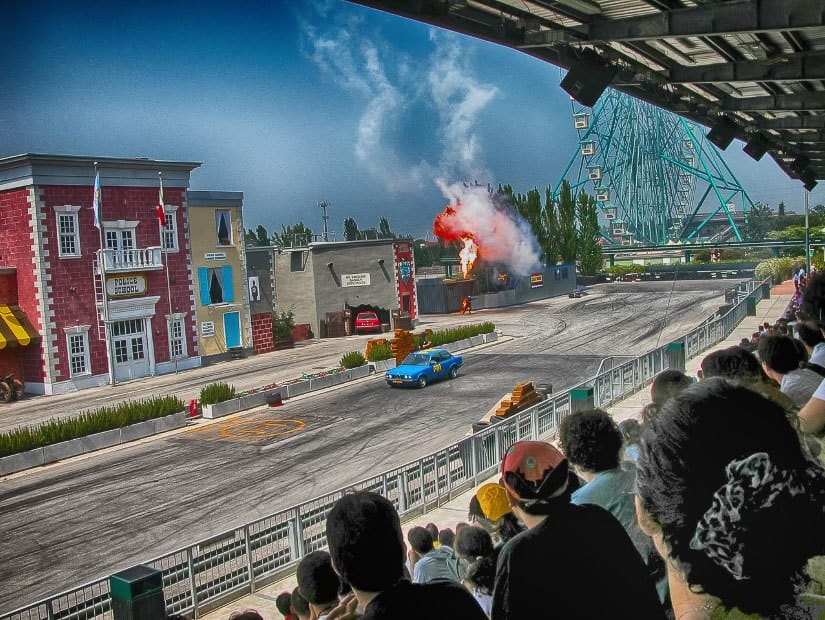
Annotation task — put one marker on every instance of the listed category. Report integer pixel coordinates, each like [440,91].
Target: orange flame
[468,255]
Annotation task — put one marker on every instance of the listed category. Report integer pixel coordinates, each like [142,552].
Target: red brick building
[98,309]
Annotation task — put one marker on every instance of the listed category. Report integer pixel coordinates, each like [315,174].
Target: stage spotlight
[588,78]
[757,146]
[722,133]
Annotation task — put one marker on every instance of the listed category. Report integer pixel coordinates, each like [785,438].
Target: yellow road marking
[263,429]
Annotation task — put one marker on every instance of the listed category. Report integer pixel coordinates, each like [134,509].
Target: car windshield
[416,359]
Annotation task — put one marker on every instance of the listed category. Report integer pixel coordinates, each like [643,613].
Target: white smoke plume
[502,235]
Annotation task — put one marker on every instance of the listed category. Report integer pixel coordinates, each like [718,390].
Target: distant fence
[212,572]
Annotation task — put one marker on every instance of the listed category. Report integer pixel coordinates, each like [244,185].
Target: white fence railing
[212,572]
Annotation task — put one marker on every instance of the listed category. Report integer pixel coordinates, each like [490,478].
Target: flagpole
[166,269]
[97,203]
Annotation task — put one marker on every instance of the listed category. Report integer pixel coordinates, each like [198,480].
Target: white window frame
[68,211]
[127,226]
[178,318]
[78,333]
[169,236]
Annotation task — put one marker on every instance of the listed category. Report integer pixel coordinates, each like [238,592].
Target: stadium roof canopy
[753,67]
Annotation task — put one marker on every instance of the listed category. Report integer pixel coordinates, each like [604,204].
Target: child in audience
[475,547]
[284,605]
[734,502]
[300,606]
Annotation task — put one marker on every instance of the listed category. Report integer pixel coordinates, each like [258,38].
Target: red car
[367,321]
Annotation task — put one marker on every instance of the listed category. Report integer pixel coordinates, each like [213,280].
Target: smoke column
[502,235]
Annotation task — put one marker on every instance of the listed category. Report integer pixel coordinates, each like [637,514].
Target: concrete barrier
[63,450]
[137,431]
[296,389]
[24,460]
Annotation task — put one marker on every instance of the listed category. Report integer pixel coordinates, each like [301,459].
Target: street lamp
[807,241]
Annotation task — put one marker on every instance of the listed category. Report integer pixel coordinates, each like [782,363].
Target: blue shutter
[228,290]
[203,285]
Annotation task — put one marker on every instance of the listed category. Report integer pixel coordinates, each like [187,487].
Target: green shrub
[380,352]
[216,393]
[622,270]
[454,334]
[779,268]
[353,359]
[282,324]
[88,422]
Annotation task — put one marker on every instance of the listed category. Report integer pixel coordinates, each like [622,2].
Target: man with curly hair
[592,443]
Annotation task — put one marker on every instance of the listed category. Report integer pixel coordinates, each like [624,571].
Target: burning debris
[489,229]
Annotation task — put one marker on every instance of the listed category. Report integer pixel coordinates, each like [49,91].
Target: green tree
[422,253]
[758,222]
[294,235]
[384,229]
[567,224]
[590,252]
[780,210]
[550,222]
[249,237]
[351,232]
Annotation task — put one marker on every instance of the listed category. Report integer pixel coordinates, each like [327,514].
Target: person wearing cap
[573,561]
[490,508]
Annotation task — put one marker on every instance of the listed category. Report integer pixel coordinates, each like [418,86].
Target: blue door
[232,329]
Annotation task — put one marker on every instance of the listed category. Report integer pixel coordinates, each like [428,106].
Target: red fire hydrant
[195,409]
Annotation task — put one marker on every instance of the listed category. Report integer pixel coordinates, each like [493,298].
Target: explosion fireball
[489,229]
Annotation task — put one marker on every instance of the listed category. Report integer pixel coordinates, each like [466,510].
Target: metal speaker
[799,164]
[722,133]
[588,78]
[757,146]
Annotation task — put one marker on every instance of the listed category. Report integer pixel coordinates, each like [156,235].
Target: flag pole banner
[161,214]
[96,200]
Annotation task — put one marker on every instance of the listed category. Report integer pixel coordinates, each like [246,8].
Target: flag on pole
[161,214]
[96,200]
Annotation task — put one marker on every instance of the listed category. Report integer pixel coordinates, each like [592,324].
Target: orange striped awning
[15,327]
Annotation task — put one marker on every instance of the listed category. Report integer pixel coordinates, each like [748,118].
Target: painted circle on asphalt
[261,429]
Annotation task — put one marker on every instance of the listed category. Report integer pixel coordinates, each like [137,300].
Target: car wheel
[453,372]
[422,381]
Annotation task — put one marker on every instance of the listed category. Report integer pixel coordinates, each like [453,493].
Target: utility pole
[324,204]
[807,240]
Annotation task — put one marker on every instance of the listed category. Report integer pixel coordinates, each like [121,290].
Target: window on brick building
[170,231]
[77,341]
[120,239]
[68,235]
[177,335]
[223,226]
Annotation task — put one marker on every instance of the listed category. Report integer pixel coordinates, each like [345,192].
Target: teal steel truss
[654,175]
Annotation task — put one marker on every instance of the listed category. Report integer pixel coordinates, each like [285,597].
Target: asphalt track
[88,517]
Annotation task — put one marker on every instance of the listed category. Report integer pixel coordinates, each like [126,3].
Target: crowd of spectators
[711,506]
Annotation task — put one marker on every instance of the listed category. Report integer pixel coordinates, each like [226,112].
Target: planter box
[476,340]
[218,410]
[491,337]
[380,366]
[296,389]
[63,450]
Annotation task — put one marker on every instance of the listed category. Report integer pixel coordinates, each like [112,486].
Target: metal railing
[209,573]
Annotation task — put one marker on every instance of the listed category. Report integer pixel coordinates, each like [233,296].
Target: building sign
[355,279]
[124,286]
[214,256]
[207,328]
[536,280]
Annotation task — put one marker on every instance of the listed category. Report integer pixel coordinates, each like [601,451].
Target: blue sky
[295,102]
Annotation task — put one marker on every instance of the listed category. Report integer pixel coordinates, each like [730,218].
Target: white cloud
[392,87]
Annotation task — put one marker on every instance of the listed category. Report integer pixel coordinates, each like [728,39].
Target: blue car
[423,367]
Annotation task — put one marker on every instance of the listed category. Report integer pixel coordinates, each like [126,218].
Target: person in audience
[475,547]
[667,384]
[733,501]
[247,614]
[592,442]
[427,563]
[300,606]
[319,583]
[367,548]
[283,603]
[490,508]
[631,434]
[574,561]
[432,528]
[781,358]
[811,336]
[446,537]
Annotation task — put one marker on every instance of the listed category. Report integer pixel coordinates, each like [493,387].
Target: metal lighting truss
[654,175]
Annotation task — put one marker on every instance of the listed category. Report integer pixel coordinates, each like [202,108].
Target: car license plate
[397,381]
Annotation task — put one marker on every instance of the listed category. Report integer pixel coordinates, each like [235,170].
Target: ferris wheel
[655,177]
